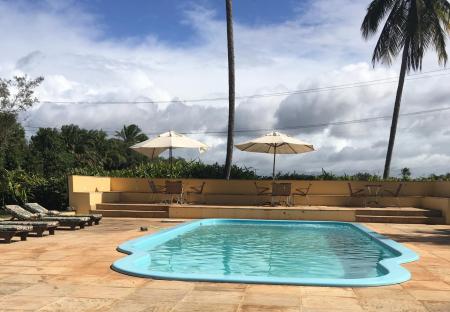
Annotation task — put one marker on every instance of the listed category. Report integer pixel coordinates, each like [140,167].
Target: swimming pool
[270,252]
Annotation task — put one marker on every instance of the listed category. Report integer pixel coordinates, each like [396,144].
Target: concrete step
[398,212]
[133,206]
[133,213]
[399,219]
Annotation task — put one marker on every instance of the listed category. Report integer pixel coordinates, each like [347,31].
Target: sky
[167,53]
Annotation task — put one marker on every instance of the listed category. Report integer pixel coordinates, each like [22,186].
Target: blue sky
[166,18]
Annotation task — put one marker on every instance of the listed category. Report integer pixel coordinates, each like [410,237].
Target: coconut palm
[131,134]
[230,44]
[411,27]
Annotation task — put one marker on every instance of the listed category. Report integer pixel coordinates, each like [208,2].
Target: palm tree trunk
[231,91]
[398,99]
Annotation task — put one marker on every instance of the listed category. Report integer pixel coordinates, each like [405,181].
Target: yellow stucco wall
[438,203]
[85,192]
[278,213]
[89,184]
[441,189]
[234,187]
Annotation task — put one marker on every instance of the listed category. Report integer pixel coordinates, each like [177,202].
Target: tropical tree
[131,134]
[411,27]
[16,95]
[231,92]
[406,174]
[49,154]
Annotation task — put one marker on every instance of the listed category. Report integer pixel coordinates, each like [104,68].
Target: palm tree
[230,44]
[411,27]
[131,134]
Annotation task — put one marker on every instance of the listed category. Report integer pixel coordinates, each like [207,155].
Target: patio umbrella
[167,141]
[275,143]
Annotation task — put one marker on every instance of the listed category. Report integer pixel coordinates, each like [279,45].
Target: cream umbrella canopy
[170,140]
[276,143]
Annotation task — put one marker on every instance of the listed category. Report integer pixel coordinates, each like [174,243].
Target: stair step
[133,213]
[131,206]
[399,212]
[399,219]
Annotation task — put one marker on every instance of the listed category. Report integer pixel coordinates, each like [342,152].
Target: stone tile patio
[71,272]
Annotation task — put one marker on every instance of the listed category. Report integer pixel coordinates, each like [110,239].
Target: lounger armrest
[53,213]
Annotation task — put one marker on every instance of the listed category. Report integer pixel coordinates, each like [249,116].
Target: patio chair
[156,189]
[282,190]
[36,208]
[19,213]
[8,231]
[303,191]
[196,190]
[261,191]
[174,189]
[395,193]
[355,194]
[38,227]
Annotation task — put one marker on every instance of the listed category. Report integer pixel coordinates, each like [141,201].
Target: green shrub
[19,186]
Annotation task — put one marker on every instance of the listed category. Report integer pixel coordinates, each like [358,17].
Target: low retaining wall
[279,213]
[86,192]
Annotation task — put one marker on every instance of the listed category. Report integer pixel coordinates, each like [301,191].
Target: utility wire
[317,125]
[388,80]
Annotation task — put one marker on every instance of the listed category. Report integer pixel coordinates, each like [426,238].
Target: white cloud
[322,46]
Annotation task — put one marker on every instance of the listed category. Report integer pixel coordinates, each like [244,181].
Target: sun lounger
[19,213]
[8,231]
[36,208]
[38,227]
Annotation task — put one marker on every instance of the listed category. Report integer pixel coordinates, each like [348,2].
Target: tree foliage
[17,94]
[131,135]
[410,28]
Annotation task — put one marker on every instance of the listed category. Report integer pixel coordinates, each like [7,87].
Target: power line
[380,81]
[317,125]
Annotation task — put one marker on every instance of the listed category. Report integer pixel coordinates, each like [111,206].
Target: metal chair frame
[303,191]
[355,194]
[196,190]
[174,189]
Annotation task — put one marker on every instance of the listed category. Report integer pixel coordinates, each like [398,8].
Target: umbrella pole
[171,161]
[274,155]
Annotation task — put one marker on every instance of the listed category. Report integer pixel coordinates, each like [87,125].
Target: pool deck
[71,272]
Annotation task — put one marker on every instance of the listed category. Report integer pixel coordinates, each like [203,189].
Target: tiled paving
[71,272]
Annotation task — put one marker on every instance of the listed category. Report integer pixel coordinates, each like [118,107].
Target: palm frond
[392,37]
[376,11]
[437,20]
[411,25]
[442,9]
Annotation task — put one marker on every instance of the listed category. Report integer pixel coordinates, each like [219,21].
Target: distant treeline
[37,169]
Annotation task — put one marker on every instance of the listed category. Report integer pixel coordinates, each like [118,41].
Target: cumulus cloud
[320,47]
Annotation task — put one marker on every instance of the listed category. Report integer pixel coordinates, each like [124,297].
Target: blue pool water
[286,252]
